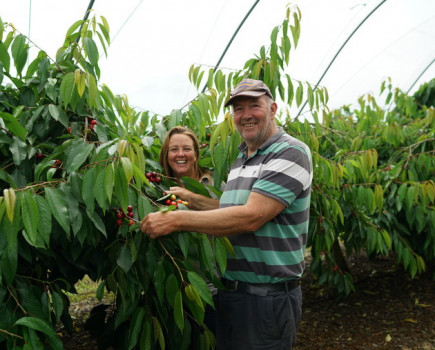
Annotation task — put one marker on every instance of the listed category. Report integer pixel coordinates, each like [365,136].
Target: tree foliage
[74,158]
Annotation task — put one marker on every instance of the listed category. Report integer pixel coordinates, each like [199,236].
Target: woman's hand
[194,201]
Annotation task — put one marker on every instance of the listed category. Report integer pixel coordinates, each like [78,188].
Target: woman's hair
[164,152]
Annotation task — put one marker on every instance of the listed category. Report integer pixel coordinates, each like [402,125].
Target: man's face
[254,119]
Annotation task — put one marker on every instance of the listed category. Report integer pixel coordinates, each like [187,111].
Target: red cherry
[131,222]
[94,122]
[158,179]
[174,203]
[130,214]
[119,222]
[130,208]
[148,175]
[168,202]
[119,215]
[153,174]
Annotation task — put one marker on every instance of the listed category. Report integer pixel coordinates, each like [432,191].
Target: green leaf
[183,240]
[220,252]
[19,52]
[194,186]
[92,90]
[18,149]
[158,333]
[91,50]
[171,288]
[201,286]
[30,217]
[4,57]
[44,227]
[124,259]
[121,187]
[178,310]
[67,88]
[100,290]
[57,303]
[136,321]
[58,207]
[99,193]
[159,279]
[73,27]
[109,181]
[128,168]
[299,94]
[80,81]
[145,339]
[13,125]
[40,325]
[9,198]
[88,189]
[77,153]
[98,222]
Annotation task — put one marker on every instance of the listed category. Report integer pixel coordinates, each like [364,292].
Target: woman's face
[182,157]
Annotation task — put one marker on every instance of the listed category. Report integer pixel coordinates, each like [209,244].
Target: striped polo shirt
[281,169]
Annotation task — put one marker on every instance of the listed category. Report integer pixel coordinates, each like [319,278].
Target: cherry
[129,208]
[119,215]
[119,222]
[94,122]
[131,222]
[174,203]
[158,179]
[168,202]
[130,214]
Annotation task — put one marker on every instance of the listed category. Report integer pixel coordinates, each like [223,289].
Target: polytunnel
[349,47]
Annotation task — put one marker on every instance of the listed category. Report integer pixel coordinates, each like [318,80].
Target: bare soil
[388,311]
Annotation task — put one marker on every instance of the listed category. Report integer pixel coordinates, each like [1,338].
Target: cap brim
[244,93]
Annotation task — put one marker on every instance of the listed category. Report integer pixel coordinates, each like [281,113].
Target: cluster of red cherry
[172,200]
[57,163]
[153,177]
[92,122]
[121,216]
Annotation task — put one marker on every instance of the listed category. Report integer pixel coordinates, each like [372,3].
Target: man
[264,211]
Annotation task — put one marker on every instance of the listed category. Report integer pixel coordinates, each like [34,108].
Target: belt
[261,289]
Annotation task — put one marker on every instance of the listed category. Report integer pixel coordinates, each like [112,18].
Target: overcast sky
[155,42]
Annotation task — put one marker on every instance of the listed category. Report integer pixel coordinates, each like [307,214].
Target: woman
[179,158]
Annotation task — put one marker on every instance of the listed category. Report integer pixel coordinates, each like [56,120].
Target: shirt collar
[243,147]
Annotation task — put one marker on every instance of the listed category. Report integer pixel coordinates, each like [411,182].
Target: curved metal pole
[421,74]
[91,4]
[339,50]
[232,38]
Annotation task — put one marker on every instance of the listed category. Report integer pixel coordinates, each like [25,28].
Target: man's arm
[234,220]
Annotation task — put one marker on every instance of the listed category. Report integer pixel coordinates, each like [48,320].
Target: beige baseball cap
[249,87]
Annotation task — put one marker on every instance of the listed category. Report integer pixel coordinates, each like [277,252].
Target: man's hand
[158,224]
